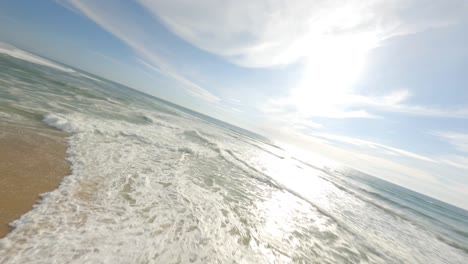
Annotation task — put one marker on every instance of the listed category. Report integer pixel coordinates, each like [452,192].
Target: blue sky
[381,86]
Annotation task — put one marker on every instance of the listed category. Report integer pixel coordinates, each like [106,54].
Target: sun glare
[332,67]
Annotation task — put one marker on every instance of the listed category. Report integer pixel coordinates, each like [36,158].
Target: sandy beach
[32,161]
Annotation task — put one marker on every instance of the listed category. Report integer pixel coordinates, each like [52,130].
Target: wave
[250,170]
[262,148]
[453,244]
[403,217]
[144,185]
[397,204]
[60,123]
[265,179]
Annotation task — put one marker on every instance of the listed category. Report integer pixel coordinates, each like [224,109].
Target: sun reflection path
[295,176]
[296,221]
[285,211]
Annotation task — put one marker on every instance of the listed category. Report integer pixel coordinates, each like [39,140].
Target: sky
[380,86]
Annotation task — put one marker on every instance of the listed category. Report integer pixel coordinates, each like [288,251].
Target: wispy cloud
[370,157]
[333,104]
[456,161]
[444,178]
[396,103]
[373,145]
[457,140]
[112,17]
[24,55]
[418,110]
[192,88]
[323,103]
[330,39]
[268,33]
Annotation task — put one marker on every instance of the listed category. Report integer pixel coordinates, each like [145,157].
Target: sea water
[152,182]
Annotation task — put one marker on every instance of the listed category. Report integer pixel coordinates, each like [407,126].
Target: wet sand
[32,161]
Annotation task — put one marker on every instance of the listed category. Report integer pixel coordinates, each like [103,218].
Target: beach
[32,161]
[152,182]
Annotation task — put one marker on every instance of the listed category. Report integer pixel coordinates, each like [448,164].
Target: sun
[332,66]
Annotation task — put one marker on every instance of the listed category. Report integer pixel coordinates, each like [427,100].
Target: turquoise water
[153,182]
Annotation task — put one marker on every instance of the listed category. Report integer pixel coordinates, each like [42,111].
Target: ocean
[153,182]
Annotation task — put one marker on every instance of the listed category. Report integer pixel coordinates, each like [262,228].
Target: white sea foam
[60,123]
[148,193]
[152,185]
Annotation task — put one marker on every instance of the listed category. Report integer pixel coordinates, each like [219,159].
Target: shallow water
[155,183]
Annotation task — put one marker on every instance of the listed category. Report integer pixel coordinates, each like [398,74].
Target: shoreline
[32,161]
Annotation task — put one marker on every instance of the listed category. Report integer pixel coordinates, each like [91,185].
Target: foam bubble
[59,122]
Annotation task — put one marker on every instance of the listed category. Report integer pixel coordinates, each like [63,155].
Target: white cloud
[261,33]
[333,104]
[457,140]
[396,102]
[460,112]
[306,124]
[116,20]
[388,155]
[435,177]
[369,157]
[192,88]
[23,55]
[267,33]
[374,146]
[89,77]
[330,39]
[338,104]
[229,109]
[456,161]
